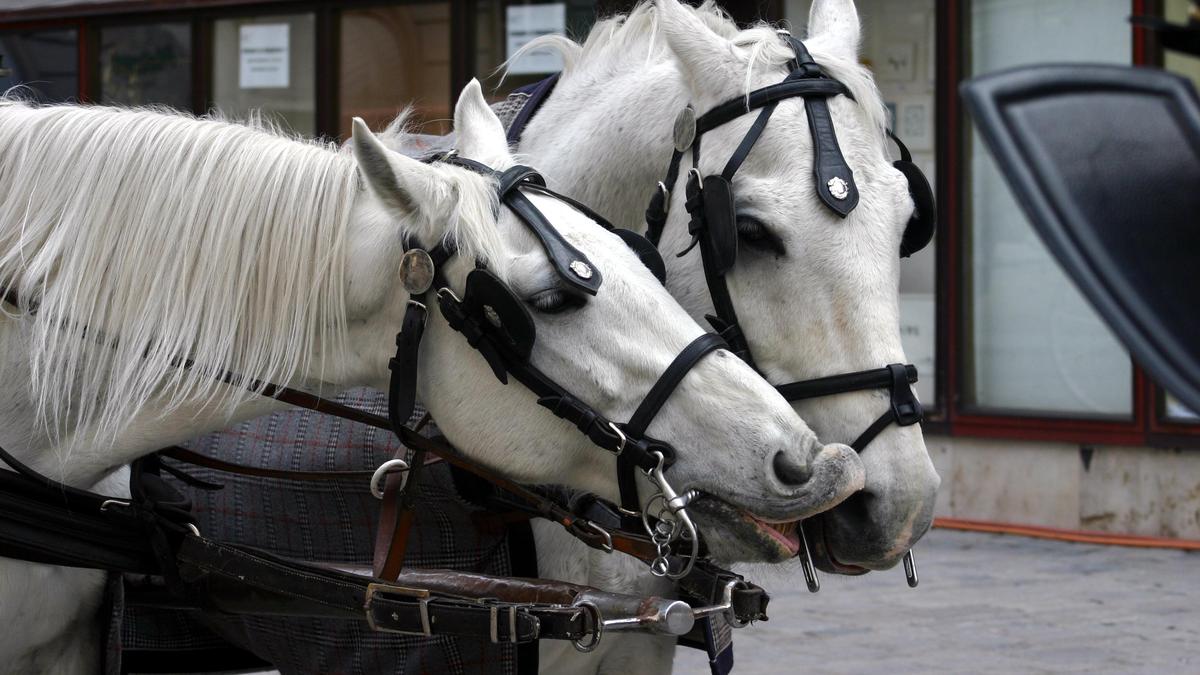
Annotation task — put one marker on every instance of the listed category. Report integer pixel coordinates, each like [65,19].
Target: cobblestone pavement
[986,604]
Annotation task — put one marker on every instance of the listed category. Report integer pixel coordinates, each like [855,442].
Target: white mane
[136,240]
[634,39]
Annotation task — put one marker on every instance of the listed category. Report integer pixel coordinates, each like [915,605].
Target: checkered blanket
[332,521]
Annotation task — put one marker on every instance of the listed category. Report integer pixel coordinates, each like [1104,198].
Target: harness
[712,210]
[44,521]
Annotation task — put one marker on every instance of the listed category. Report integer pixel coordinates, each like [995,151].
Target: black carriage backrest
[1105,161]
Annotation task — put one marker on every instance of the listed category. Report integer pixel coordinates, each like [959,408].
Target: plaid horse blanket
[329,521]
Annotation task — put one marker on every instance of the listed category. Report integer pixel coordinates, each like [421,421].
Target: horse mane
[634,40]
[140,240]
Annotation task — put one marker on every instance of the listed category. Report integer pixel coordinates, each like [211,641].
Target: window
[146,64]
[392,57]
[899,46]
[1032,341]
[45,62]
[502,28]
[268,64]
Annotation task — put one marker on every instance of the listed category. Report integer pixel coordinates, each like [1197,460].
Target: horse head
[815,281]
[607,342]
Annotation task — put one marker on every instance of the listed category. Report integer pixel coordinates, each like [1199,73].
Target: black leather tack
[720,214]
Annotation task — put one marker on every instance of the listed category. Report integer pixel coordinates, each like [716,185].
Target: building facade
[1037,413]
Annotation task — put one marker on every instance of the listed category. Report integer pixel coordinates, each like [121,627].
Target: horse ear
[836,25]
[398,181]
[479,133]
[703,55]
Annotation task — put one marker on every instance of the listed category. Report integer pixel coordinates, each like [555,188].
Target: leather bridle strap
[877,378]
[653,403]
[904,409]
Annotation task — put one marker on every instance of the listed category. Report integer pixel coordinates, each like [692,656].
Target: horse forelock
[146,239]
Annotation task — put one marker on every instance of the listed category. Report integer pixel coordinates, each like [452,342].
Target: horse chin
[734,535]
[823,552]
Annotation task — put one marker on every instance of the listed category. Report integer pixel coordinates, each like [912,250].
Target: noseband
[496,323]
[710,203]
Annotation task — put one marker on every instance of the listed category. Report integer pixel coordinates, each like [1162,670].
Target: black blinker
[920,229]
[646,252]
[492,303]
[721,218]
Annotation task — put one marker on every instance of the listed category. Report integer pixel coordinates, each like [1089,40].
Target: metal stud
[492,315]
[581,269]
[685,128]
[416,271]
[839,188]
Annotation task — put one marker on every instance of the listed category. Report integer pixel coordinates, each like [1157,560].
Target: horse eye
[555,301]
[755,235]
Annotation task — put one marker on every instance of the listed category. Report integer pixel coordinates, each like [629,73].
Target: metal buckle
[621,437]
[513,613]
[583,525]
[382,472]
[666,197]
[421,595]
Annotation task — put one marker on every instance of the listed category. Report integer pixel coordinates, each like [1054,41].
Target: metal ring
[192,526]
[598,621]
[382,472]
[448,291]
[113,502]
[666,196]
[621,437]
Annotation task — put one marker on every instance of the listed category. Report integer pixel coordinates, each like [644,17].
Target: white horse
[166,237]
[816,295]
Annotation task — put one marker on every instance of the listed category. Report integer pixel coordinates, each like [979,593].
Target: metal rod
[810,573]
[910,569]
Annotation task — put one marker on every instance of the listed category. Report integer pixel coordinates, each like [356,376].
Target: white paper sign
[525,22]
[264,56]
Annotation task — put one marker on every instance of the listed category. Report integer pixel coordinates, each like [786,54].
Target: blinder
[645,251]
[489,298]
[720,219]
[920,228]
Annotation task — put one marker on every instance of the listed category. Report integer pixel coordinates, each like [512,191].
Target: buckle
[906,407]
[421,595]
[513,637]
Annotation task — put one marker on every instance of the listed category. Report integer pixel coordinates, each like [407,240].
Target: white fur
[830,306]
[168,237]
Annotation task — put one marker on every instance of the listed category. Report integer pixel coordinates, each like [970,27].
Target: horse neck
[608,144]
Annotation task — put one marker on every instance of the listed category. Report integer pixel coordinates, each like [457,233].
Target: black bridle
[496,323]
[710,203]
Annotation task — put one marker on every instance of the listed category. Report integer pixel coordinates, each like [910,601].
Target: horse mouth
[822,551]
[736,535]
[786,534]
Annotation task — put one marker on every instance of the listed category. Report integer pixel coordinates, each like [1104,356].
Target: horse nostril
[791,468]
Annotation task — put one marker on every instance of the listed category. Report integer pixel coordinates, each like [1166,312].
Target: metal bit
[910,569]
[810,573]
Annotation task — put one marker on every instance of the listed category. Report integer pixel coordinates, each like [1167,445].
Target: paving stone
[986,604]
